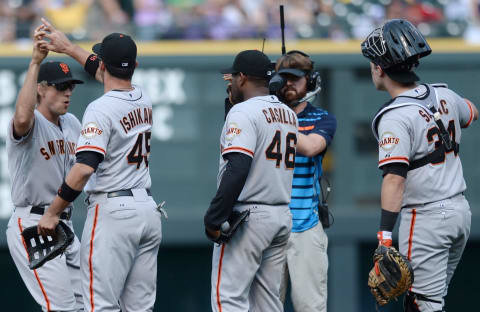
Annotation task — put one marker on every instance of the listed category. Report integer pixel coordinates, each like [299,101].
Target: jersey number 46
[273,151]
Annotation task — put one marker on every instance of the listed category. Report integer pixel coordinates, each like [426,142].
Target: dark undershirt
[233,181]
[399,169]
[89,158]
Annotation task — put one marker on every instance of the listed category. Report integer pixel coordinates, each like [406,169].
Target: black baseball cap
[55,73]
[293,71]
[252,63]
[117,50]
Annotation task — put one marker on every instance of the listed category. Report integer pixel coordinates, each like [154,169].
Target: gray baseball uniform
[246,272]
[435,216]
[122,232]
[38,163]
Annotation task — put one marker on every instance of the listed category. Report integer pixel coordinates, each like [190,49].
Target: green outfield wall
[187,92]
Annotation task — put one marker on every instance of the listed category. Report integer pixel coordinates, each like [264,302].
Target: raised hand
[58,40]
[39,51]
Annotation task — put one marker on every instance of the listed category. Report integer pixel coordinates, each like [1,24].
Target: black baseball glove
[45,249]
[228,229]
[391,275]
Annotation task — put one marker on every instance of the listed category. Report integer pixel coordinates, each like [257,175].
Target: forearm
[310,145]
[393,187]
[76,180]
[26,100]
[77,53]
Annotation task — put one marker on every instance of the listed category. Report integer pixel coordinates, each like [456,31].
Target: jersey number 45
[137,155]
[273,151]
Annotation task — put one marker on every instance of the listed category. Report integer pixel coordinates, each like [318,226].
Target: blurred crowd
[232,19]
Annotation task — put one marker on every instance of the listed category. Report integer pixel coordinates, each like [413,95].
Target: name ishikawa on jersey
[118,126]
[266,130]
[407,133]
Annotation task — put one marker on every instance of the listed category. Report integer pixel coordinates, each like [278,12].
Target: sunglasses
[63,86]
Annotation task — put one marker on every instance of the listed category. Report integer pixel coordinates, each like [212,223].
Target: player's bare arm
[26,100]
[311,145]
[76,179]
[393,187]
[61,44]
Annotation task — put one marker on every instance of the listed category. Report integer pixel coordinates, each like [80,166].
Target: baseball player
[41,144]
[307,261]
[418,134]
[122,232]
[256,167]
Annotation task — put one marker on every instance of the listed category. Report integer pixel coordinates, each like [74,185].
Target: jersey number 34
[137,155]
[274,150]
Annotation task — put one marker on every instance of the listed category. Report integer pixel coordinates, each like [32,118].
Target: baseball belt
[40,210]
[118,194]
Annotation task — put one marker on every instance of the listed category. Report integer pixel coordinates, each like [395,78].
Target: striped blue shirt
[306,188]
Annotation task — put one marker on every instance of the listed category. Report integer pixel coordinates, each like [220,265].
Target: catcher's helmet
[397,44]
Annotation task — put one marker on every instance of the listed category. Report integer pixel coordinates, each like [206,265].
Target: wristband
[66,193]
[91,65]
[388,220]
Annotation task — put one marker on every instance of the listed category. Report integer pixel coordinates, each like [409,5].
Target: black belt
[124,193]
[40,210]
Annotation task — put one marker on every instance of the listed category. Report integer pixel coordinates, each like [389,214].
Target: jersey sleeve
[239,134]
[465,111]
[26,137]
[96,127]
[394,145]
[326,127]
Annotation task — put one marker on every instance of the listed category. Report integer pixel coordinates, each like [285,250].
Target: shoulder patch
[388,141]
[232,131]
[91,130]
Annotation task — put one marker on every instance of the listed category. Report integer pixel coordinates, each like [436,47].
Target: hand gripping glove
[231,226]
[391,275]
[46,248]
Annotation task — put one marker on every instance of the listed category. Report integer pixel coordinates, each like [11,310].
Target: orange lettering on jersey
[388,141]
[290,117]
[51,147]
[277,114]
[71,147]
[272,115]
[284,115]
[44,153]
[126,123]
[91,130]
[61,146]
[132,119]
[443,105]
[139,115]
[123,126]
[146,116]
[424,115]
[266,116]
[135,118]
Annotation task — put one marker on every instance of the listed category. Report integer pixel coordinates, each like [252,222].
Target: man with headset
[307,261]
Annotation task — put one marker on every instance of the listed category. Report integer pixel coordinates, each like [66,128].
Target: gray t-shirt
[266,130]
[118,125]
[407,133]
[39,161]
